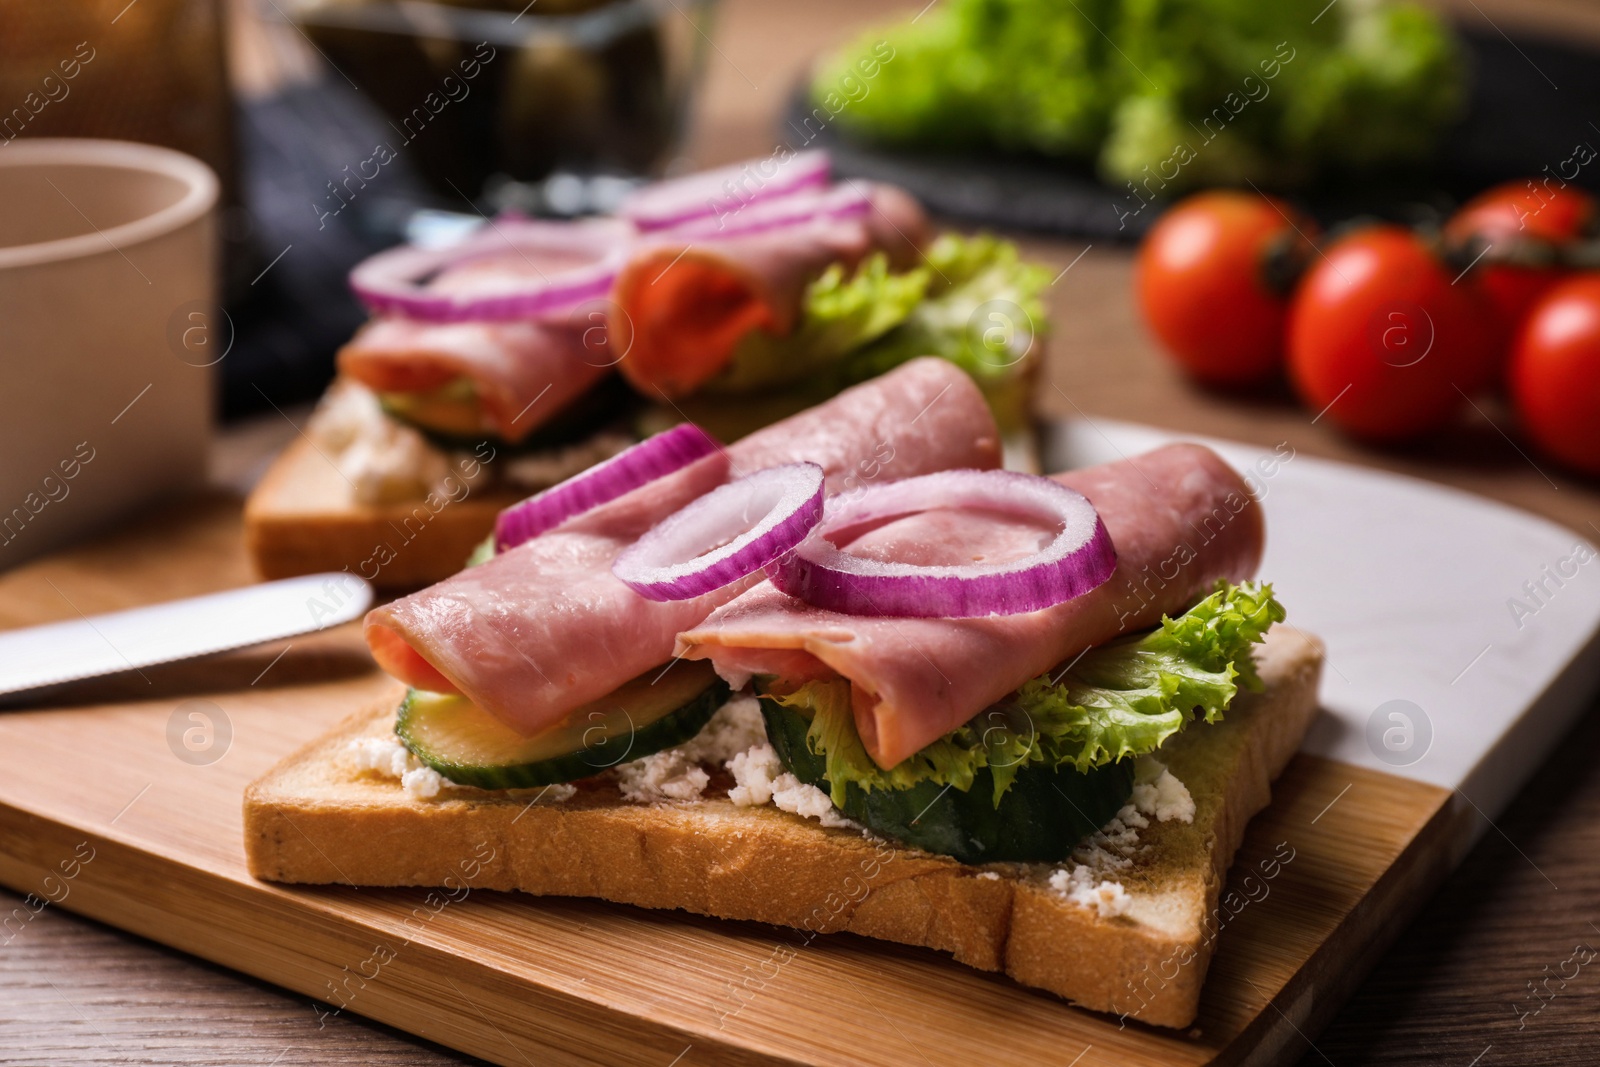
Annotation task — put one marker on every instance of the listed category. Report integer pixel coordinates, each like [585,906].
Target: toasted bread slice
[303,518]
[317,818]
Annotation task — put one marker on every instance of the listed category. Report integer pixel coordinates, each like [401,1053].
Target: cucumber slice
[458,420]
[452,410]
[471,747]
[1041,818]
[483,553]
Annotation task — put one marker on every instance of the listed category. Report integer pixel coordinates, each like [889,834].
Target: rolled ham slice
[524,370]
[1181,519]
[683,302]
[544,628]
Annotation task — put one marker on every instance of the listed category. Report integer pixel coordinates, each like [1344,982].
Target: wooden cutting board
[100,815]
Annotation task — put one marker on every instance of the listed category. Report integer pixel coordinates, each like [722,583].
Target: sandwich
[1023,719]
[526,352]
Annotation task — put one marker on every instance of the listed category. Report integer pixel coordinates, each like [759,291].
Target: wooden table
[1448,993]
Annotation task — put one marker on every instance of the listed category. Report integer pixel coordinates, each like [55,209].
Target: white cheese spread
[735,738]
[680,773]
[384,461]
[758,774]
[662,775]
[386,757]
[1157,794]
[1078,885]
[759,779]
[388,462]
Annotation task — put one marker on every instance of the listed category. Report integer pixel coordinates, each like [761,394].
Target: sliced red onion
[711,193]
[650,459]
[509,269]
[797,209]
[730,533]
[1079,558]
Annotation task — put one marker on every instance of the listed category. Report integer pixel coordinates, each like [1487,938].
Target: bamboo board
[521,980]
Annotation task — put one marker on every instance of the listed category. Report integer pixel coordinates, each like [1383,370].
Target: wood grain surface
[152,841]
[1453,991]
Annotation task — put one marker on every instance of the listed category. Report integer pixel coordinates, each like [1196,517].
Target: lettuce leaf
[972,301]
[984,311]
[1397,76]
[840,315]
[1165,94]
[1118,701]
[482,553]
[948,761]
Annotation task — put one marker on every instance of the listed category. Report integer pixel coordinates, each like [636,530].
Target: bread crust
[302,518]
[316,819]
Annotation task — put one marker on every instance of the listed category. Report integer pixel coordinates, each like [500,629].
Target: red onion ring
[650,459]
[711,542]
[713,193]
[796,209]
[1079,558]
[397,281]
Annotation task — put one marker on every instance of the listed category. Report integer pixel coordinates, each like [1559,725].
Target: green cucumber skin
[606,404]
[671,729]
[1041,818]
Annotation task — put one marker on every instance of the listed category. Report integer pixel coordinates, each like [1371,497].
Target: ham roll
[1180,518]
[682,303]
[544,628]
[523,372]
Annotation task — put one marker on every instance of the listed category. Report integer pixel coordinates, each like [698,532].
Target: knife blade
[93,645]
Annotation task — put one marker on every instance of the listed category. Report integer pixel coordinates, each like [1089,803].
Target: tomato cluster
[1387,331]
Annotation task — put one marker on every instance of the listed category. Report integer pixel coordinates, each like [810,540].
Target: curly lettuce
[972,300]
[1118,701]
[840,315]
[1167,94]
[983,311]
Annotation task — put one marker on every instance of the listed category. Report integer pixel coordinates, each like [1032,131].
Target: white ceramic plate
[1463,635]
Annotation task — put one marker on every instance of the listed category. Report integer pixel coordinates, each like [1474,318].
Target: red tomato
[1203,285]
[1380,340]
[1530,210]
[1555,373]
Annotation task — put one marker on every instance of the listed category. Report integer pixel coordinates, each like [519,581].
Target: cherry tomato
[1205,283]
[1527,211]
[1555,373]
[1381,342]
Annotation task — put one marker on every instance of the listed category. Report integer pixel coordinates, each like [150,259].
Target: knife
[93,645]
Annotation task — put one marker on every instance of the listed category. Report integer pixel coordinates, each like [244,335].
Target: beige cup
[108,329]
